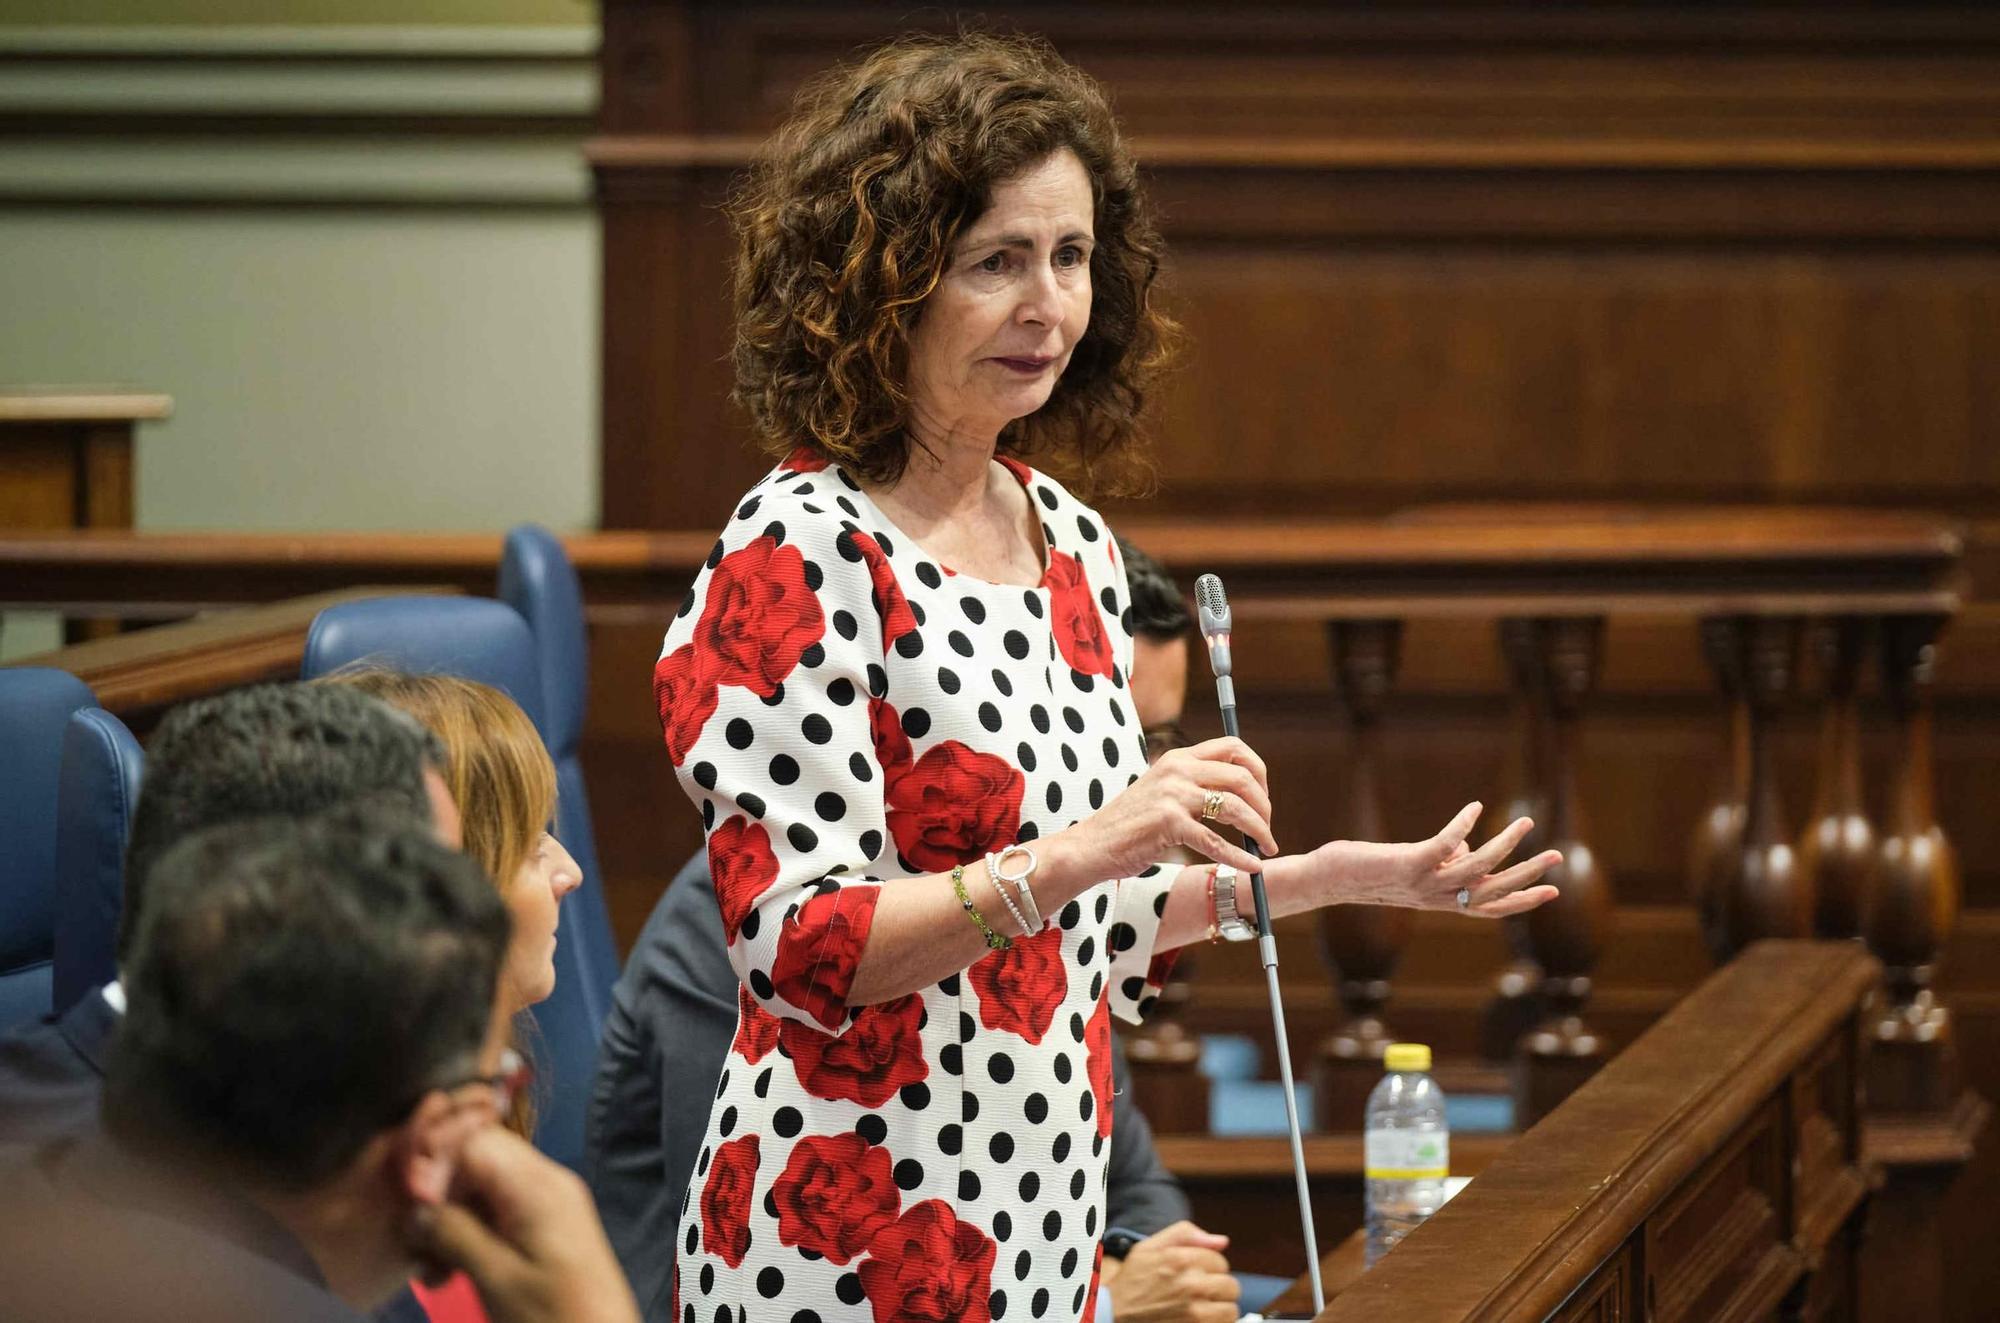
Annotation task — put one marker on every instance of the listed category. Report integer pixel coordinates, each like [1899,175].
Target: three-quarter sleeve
[763,691]
[1138,973]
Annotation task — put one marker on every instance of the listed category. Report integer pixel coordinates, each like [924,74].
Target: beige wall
[379,327]
[361,328]
[380,369]
[276,13]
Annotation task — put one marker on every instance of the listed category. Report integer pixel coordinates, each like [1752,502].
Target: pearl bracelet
[1020,882]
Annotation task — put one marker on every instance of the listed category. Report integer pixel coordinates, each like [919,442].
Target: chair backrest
[35,706]
[487,641]
[537,580]
[101,768]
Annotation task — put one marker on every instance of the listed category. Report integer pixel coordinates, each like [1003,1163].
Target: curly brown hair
[847,223]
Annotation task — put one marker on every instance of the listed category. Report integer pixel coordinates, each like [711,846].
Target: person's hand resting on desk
[525,1231]
[1172,1276]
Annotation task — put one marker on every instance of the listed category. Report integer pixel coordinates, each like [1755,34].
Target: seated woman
[500,775]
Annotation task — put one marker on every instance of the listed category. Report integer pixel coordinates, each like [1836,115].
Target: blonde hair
[496,766]
[500,776]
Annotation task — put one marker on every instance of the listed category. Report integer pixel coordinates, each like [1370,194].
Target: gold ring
[1211,806]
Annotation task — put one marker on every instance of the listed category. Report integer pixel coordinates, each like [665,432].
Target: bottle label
[1407,1155]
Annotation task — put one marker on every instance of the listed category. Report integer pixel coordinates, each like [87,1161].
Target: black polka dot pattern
[861,707]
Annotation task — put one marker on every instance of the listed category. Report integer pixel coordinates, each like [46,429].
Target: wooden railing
[138,676]
[1713,1171]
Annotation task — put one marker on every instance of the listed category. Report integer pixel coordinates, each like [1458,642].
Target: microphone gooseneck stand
[1213,607]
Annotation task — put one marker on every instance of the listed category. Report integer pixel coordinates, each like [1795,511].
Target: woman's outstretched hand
[1427,875]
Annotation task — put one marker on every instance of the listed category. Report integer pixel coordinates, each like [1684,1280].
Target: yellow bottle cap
[1407,1056]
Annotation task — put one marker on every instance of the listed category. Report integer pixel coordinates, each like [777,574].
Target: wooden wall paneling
[666,260]
[1682,254]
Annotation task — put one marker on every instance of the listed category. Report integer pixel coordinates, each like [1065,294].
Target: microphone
[1212,611]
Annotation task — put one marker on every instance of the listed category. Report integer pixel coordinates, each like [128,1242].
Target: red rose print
[929,1266]
[756,1028]
[954,806]
[759,616]
[835,1194]
[740,859]
[819,948]
[1097,1060]
[803,460]
[1079,628]
[1021,987]
[725,1200]
[1096,1276]
[684,694]
[1159,968]
[892,747]
[1014,466]
[881,1052]
[890,604]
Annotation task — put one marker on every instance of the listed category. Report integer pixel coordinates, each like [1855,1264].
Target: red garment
[454,1302]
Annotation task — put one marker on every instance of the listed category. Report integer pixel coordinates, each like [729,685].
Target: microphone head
[1211,605]
[1212,609]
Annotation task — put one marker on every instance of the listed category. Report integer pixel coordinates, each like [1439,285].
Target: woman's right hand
[1163,810]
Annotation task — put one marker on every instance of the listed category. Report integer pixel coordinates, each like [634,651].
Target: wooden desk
[66,463]
[66,456]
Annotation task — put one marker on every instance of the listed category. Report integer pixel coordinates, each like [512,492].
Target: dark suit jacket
[52,1071]
[89,1232]
[51,1076]
[672,1017]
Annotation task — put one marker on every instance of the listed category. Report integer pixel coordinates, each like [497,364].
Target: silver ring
[1465,898]
[1211,806]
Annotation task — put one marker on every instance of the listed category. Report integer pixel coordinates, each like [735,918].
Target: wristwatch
[1118,1241]
[1229,919]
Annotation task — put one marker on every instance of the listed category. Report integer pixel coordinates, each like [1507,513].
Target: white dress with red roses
[846,711]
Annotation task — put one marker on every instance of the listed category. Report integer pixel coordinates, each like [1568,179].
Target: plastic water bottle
[1407,1147]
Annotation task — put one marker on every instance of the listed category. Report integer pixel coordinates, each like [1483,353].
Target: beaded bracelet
[994,941]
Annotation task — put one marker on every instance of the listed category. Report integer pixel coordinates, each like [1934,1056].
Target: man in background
[301,1107]
[289,750]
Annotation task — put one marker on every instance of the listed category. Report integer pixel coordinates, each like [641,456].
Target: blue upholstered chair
[486,641]
[101,767]
[35,706]
[537,580]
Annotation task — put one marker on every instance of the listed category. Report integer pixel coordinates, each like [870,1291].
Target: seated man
[675,1010]
[277,749]
[301,1104]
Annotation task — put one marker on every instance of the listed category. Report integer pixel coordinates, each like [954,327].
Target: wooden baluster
[1516,1005]
[1764,893]
[1915,889]
[1719,837]
[1922,1123]
[1362,942]
[1837,847]
[1566,934]
[1165,1057]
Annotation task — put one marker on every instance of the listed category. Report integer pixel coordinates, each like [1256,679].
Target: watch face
[1117,1244]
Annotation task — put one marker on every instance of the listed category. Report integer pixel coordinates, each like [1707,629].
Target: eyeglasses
[1164,737]
[514,1078]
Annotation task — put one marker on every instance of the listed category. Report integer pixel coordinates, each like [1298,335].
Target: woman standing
[897,693]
